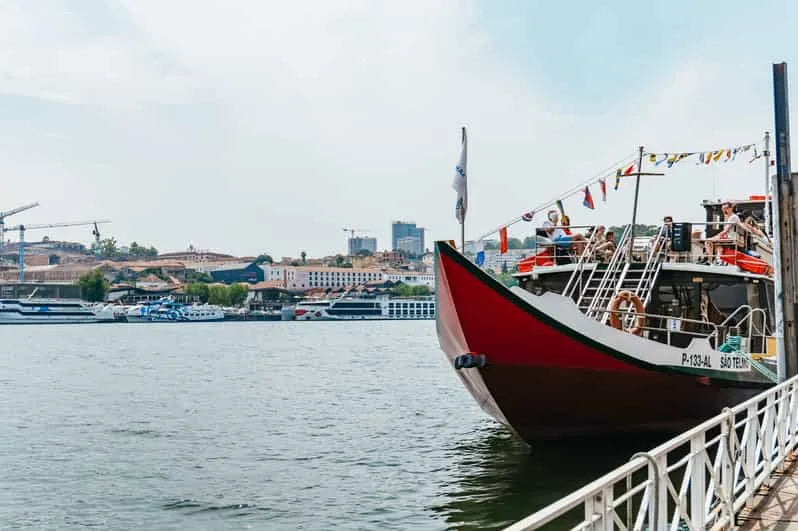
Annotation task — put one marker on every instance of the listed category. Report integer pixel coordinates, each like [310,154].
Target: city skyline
[262,127]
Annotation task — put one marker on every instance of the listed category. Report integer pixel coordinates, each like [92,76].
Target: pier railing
[698,480]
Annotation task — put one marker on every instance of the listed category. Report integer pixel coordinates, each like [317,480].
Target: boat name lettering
[701,361]
[732,361]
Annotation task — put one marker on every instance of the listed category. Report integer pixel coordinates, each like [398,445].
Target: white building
[308,277]
[411,278]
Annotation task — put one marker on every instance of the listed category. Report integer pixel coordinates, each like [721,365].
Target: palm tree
[303,255]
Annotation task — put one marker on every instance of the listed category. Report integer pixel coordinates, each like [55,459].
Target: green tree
[339,260]
[640,230]
[264,259]
[199,289]
[219,295]
[238,294]
[505,278]
[530,242]
[140,250]
[108,247]
[303,255]
[197,276]
[421,291]
[364,252]
[515,243]
[93,286]
[491,245]
[402,290]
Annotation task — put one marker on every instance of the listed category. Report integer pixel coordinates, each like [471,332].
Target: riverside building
[309,277]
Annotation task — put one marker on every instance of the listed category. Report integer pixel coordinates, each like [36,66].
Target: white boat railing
[576,280]
[698,480]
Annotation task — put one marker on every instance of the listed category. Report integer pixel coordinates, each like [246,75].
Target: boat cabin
[682,291]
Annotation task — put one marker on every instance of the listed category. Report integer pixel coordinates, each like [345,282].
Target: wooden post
[787,206]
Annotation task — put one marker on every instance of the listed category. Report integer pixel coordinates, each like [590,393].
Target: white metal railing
[649,317]
[656,255]
[697,254]
[609,279]
[584,258]
[698,480]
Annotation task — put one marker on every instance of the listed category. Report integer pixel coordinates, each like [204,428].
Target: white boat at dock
[167,310]
[52,311]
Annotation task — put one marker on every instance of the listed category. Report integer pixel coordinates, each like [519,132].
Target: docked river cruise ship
[349,309]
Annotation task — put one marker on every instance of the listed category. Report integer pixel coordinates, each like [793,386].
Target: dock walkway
[775,506]
[736,470]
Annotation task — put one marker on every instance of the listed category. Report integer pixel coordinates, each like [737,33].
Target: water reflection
[499,480]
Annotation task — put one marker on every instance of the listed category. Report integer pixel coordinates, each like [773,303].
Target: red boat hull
[546,381]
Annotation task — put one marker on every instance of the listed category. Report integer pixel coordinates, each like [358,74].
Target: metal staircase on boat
[604,282]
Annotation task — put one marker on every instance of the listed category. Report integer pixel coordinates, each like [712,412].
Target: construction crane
[95,247]
[352,235]
[23,228]
[353,231]
[4,215]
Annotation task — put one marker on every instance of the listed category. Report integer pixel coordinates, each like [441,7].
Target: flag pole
[634,208]
[462,219]
[768,202]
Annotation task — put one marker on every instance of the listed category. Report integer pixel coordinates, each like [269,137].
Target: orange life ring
[615,318]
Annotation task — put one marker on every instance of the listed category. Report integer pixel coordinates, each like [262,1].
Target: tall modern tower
[357,244]
[406,229]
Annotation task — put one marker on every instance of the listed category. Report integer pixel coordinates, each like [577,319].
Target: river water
[262,425]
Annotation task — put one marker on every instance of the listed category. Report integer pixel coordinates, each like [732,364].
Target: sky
[256,126]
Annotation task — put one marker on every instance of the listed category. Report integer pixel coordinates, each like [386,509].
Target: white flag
[460,184]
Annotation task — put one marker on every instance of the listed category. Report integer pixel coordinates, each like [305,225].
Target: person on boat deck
[566,224]
[667,222]
[606,246]
[667,225]
[598,230]
[751,226]
[727,235]
[561,235]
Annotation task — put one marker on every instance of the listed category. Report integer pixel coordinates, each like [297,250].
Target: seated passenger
[606,248]
[561,235]
[751,226]
[725,236]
